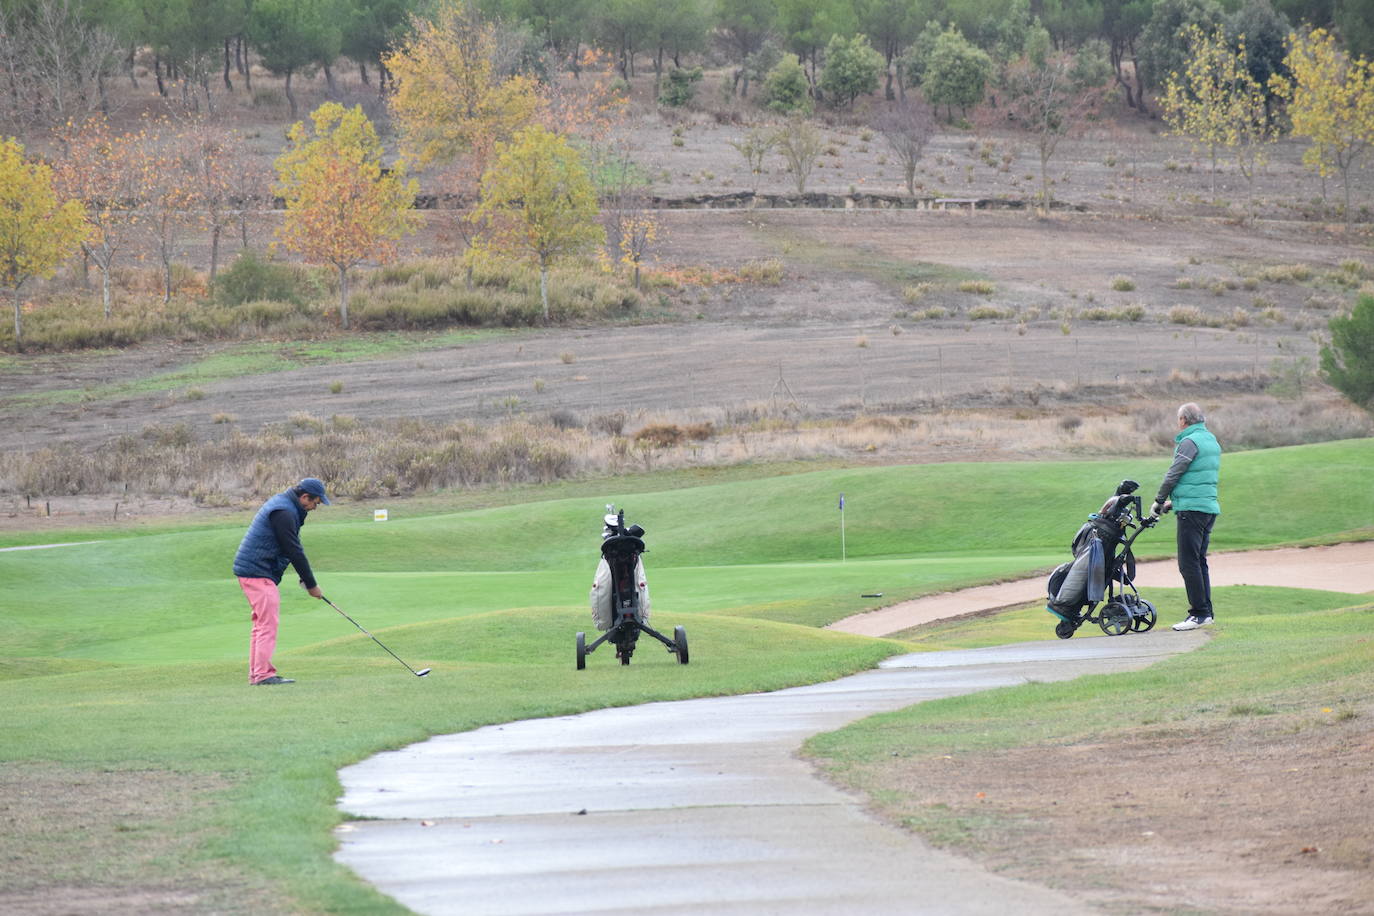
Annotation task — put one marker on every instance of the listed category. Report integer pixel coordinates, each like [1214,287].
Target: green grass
[127,656]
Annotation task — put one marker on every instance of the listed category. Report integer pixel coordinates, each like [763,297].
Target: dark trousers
[1194,536]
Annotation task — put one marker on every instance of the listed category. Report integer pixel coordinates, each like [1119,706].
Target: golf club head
[422,672]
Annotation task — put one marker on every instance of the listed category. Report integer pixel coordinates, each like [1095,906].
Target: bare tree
[1052,95]
[800,144]
[214,153]
[631,227]
[249,188]
[67,58]
[754,147]
[907,126]
[172,205]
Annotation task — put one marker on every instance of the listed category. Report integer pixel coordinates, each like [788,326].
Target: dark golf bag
[1102,571]
[620,595]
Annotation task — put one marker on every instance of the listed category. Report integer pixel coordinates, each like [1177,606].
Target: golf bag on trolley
[620,595]
[1102,571]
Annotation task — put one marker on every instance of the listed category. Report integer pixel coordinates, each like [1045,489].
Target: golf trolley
[1103,571]
[620,595]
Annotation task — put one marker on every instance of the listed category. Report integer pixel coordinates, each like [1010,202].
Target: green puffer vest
[1196,490]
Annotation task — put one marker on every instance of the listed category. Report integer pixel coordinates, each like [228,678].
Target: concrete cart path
[1340,568]
[689,807]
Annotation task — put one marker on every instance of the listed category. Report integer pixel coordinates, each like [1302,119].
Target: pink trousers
[265,600]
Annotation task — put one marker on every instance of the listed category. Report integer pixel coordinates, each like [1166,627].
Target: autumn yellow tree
[38,230]
[451,100]
[1331,102]
[538,203]
[110,173]
[1218,103]
[341,208]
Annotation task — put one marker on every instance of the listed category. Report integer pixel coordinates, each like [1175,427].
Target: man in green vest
[1190,488]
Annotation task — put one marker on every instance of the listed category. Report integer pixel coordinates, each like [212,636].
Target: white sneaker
[1192,623]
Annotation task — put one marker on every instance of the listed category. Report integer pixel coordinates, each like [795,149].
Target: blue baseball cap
[315,487]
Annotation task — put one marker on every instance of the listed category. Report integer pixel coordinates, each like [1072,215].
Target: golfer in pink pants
[271,544]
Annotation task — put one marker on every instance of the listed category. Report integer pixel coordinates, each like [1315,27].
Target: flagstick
[842,547]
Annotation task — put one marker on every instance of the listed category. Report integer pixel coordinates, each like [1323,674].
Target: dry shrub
[767,273]
[564,419]
[1189,315]
[913,293]
[1286,273]
[612,424]
[660,435]
[933,313]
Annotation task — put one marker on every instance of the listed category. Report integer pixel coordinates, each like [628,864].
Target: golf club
[421,673]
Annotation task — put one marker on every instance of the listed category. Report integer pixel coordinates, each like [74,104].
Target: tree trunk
[247,67]
[362,73]
[1345,176]
[290,98]
[240,59]
[1044,183]
[105,296]
[129,63]
[343,296]
[166,281]
[157,71]
[544,287]
[18,330]
[1118,53]
[214,251]
[329,80]
[228,63]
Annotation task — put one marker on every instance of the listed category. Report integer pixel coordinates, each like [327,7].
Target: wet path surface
[695,806]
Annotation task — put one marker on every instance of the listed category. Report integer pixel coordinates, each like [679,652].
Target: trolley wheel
[1144,618]
[1064,629]
[581,651]
[1115,620]
[680,641]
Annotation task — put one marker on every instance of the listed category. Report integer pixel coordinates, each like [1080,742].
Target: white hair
[1190,413]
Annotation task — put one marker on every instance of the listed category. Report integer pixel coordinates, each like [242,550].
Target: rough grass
[253,299]
[390,458]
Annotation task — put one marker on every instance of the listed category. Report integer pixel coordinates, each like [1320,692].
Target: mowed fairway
[125,659]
